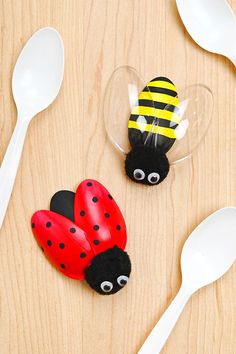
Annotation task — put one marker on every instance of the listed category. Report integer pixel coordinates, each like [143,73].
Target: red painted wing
[63,243]
[97,213]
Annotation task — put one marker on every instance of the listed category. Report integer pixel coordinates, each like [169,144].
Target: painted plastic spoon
[207,254]
[36,81]
[211,24]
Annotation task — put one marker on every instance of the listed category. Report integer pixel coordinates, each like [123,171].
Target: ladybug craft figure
[84,236]
[164,126]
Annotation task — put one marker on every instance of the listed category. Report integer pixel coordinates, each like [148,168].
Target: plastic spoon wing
[211,24]
[36,81]
[207,254]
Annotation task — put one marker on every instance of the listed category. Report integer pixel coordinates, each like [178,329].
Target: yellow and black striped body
[154,119]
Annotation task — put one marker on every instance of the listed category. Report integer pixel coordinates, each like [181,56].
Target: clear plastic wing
[194,112]
[120,100]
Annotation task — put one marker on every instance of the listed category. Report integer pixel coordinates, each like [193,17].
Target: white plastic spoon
[211,24]
[36,81]
[207,254]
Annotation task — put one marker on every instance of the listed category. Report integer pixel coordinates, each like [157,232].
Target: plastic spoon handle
[10,164]
[160,333]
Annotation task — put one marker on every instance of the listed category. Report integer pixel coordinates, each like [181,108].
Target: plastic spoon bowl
[36,81]
[211,24]
[207,254]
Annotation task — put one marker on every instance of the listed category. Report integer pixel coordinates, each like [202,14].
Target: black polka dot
[82,255]
[96,227]
[48,224]
[89,184]
[95,199]
[42,249]
[96,242]
[72,230]
[49,242]
[62,266]
[110,197]
[118,227]
[62,245]
[107,215]
[82,213]
[33,225]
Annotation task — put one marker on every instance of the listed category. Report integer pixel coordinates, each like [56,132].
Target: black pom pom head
[109,271]
[147,165]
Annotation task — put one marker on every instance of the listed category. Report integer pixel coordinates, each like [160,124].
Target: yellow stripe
[162,84]
[168,132]
[159,97]
[154,112]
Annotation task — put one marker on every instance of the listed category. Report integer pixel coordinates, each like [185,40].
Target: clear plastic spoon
[211,24]
[36,81]
[207,254]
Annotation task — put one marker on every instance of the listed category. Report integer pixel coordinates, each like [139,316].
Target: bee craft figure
[165,126]
[151,131]
[84,236]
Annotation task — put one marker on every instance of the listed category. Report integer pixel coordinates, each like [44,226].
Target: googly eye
[139,174]
[122,280]
[153,177]
[106,286]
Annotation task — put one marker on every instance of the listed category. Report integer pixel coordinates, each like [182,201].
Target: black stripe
[146,103]
[137,138]
[158,105]
[160,90]
[161,122]
[162,78]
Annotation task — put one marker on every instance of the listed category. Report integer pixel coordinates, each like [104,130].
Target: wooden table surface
[41,311]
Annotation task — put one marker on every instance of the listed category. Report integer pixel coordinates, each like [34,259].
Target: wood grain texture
[42,312]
